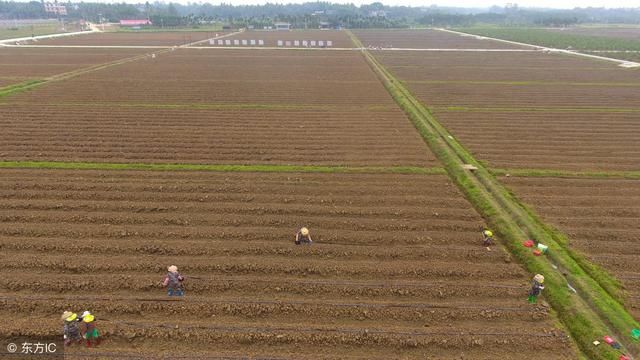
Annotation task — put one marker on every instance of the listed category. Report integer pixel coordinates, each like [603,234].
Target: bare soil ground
[599,216]
[426,39]
[507,67]
[22,64]
[209,106]
[102,133]
[397,267]
[530,110]
[597,141]
[339,38]
[188,76]
[132,38]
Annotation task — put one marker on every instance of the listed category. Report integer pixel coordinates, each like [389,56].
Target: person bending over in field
[173,282]
[89,329]
[303,237]
[536,288]
[71,330]
[487,236]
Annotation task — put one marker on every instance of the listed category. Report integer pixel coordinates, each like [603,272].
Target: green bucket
[635,333]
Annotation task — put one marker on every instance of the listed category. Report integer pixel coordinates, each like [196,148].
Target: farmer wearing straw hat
[536,288]
[71,331]
[303,236]
[487,236]
[90,331]
[173,282]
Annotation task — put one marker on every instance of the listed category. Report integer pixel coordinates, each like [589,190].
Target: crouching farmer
[173,282]
[303,237]
[536,288]
[487,237]
[71,331]
[89,329]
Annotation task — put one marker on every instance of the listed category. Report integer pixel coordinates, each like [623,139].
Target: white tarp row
[287,43]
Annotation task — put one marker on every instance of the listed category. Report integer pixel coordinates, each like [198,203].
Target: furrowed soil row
[164,38]
[426,38]
[231,234]
[511,67]
[410,314]
[131,82]
[243,136]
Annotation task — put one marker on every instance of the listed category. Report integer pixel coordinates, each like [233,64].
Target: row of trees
[310,14]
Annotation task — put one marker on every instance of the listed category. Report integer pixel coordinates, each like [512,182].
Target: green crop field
[554,39]
[29,30]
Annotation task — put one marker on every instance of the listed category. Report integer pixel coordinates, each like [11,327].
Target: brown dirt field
[618,89]
[600,217]
[339,38]
[528,95]
[227,76]
[21,64]
[544,138]
[426,39]
[549,140]
[247,285]
[206,136]
[527,66]
[132,38]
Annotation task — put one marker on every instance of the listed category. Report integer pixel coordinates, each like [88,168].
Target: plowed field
[209,106]
[22,64]
[189,76]
[339,38]
[581,141]
[132,38]
[600,217]
[426,39]
[223,136]
[396,268]
[530,110]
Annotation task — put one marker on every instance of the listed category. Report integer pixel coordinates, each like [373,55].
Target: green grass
[220,167]
[26,31]
[196,28]
[566,173]
[20,87]
[588,317]
[554,39]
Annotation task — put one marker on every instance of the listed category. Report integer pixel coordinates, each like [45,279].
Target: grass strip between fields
[19,87]
[221,167]
[566,173]
[587,316]
[532,109]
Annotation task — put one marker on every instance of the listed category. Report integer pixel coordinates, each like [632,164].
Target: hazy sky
[558,4]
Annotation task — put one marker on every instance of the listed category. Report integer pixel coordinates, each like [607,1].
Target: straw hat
[69,316]
[88,318]
[539,278]
[304,231]
[173,269]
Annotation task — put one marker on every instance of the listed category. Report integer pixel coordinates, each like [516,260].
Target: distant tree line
[310,15]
